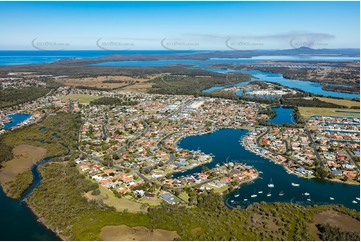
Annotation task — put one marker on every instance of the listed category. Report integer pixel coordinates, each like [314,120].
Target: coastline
[41,220]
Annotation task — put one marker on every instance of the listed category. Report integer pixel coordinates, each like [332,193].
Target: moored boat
[254,194]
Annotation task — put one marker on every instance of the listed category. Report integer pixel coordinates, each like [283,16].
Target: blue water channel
[225,145]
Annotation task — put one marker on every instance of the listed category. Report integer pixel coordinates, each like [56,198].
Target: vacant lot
[82,98]
[24,158]
[343,222]
[138,87]
[106,82]
[123,232]
[120,204]
[310,111]
[343,102]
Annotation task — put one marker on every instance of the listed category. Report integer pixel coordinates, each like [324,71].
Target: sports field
[310,111]
[343,102]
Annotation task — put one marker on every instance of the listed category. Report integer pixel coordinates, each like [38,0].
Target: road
[160,146]
[183,105]
[286,144]
[126,145]
[146,128]
[314,146]
[207,181]
[261,136]
[136,171]
[104,131]
[353,158]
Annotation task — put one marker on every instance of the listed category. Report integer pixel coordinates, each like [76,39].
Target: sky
[178,25]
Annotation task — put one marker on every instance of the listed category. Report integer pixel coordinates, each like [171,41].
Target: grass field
[184,196]
[310,111]
[120,204]
[152,202]
[82,98]
[102,82]
[343,102]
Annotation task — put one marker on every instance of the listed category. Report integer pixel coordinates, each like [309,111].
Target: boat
[309,198]
[271,184]
[281,193]
[358,198]
[232,201]
[331,198]
[306,194]
[295,184]
[7,120]
[236,195]
[353,201]
[260,192]
[254,194]
[269,194]
[245,199]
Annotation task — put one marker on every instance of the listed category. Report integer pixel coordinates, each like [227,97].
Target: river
[307,86]
[231,150]
[18,222]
